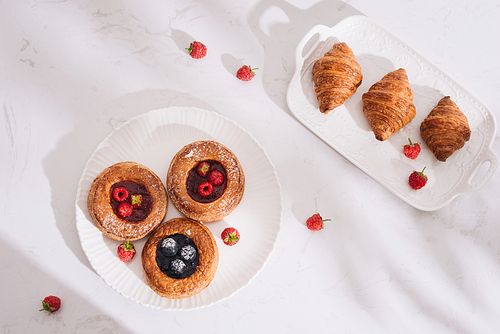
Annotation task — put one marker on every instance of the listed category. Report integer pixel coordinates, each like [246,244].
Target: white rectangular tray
[346,128]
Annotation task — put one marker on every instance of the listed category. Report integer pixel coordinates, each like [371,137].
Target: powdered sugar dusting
[178,266]
[188,253]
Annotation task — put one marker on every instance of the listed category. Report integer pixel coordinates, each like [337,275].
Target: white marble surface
[72,71]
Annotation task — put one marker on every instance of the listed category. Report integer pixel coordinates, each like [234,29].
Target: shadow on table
[280,39]
[28,281]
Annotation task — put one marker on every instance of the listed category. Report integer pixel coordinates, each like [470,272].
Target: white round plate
[346,128]
[152,139]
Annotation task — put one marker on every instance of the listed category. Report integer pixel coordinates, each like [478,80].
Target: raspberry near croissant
[388,104]
[336,77]
[445,130]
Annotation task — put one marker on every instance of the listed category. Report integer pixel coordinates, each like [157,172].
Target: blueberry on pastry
[180,258]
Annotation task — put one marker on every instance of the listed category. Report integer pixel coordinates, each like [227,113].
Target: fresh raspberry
[411,150]
[203,168]
[417,179]
[126,251]
[205,189]
[315,222]
[197,50]
[216,178]
[246,73]
[51,304]
[136,200]
[120,194]
[230,236]
[124,209]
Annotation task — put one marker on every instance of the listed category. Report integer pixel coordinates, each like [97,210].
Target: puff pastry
[183,192]
[388,104]
[102,209]
[336,77]
[445,130]
[208,259]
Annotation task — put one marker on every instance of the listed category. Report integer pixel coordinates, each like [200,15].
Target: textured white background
[72,71]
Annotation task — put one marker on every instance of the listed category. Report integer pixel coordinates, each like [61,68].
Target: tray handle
[490,157]
[300,53]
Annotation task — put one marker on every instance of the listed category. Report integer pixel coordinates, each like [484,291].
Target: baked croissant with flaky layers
[445,130]
[336,77]
[388,104]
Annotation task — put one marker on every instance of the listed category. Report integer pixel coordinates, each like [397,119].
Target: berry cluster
[127,203]
[177,256]
[417,180]
[215,178]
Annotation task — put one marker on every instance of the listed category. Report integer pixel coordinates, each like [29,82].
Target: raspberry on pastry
[216,178]
[136,201]
[120,194]
[205,189]
[124,210]
[203,168]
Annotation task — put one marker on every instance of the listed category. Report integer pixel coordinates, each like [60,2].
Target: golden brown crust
[388,104]
[177,288]
[336,77]
[445,130]
[187,158]
[101,211]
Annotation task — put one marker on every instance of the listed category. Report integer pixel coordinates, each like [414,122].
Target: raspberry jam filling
[177,256]
[205,183]
[139,207]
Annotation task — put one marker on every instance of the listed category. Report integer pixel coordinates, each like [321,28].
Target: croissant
[445,130]
[388,104]
[336,77]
